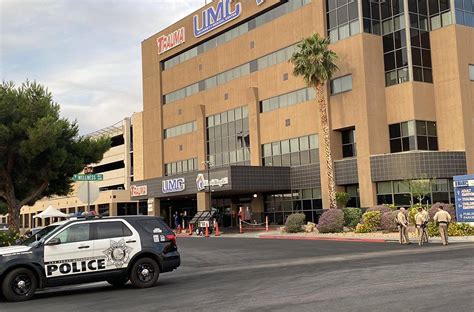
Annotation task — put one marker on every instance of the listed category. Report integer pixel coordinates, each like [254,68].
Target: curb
[339,239]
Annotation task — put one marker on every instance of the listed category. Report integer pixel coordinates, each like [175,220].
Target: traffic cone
[190,229]
[217,228]
[266,223]
[241,230]
[207,230]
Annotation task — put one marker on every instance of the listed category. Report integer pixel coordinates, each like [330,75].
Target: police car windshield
[36,238]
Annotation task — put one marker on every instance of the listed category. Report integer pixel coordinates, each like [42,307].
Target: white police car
[113,249]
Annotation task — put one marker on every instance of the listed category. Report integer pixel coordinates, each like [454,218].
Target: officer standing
[442,218]
[420,223]
[403,227]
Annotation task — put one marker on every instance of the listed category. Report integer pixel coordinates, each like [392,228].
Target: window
[181,129]
[228,137]
[342,19]
[413,135]
[181,166]
[293,152]
[284,8]
[471,72]
[75,233]
[112,229]
[348,143]
[464,12]
[341,84]
[287,99]
[229,75]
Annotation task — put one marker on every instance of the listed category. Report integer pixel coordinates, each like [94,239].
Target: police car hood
[13,249]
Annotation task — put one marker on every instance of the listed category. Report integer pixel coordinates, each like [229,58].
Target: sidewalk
[376,237]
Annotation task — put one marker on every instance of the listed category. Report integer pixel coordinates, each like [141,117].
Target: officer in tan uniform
[442,218]
[403,227]
[420,223]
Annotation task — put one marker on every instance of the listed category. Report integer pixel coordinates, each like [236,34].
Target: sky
[86,52]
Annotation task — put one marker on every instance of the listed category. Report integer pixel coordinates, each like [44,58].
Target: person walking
[442,218]
[420,223]
[403,227]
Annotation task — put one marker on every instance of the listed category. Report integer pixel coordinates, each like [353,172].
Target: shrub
[382,208]
[352,216]
[371,219]
[331,221]
[8,238]
[342,198]
[454,229]
[362,228]
[294,222]
[412,211]
[388,221]
[447,207]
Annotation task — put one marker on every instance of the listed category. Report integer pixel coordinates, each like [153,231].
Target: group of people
[442,219]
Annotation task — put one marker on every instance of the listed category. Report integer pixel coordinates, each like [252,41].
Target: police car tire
[7,285]
[137,279]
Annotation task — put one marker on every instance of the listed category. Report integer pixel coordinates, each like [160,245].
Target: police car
[112,249]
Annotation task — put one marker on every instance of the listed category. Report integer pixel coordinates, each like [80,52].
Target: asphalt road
[229,274]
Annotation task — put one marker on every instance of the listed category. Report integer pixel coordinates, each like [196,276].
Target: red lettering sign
[141,190]
[171,41]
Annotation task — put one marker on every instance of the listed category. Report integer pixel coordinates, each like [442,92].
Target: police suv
[85,250]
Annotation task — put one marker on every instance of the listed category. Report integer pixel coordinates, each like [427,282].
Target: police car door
[73,253]
[116,241]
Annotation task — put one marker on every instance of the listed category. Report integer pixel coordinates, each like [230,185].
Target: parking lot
[231,274]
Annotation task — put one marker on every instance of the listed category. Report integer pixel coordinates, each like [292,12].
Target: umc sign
[464,198]
[213,18]
[173,185]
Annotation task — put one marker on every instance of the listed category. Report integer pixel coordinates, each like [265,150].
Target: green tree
[314,62]
[420,188]
[39,150]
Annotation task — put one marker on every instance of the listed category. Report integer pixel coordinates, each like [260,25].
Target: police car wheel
[19,285]
[145,273]
[118,281]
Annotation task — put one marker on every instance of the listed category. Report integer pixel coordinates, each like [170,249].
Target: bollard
[190,229]
[266,223]
[216,225]
[241,230]
[207,230]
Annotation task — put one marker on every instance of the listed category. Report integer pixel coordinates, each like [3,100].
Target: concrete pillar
[201,136]
[254,126]
[154,207]
[203,203]
[113,209]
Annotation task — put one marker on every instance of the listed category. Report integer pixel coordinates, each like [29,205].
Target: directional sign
[88,177]
[464,198]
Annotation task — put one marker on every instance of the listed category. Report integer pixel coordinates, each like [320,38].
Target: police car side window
[75,233]
[112,229]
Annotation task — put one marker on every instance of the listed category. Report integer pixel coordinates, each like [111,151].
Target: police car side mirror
[53,241]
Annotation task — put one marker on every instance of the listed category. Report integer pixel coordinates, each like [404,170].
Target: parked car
[85,250]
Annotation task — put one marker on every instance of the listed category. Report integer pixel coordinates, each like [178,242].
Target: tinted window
[112,229]
[149,225]
[75,233]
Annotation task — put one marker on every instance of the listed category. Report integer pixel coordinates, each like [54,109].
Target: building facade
[223,113]
[117,168]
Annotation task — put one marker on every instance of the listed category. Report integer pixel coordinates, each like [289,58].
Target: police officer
[442,218]
[420,223]
[403,227]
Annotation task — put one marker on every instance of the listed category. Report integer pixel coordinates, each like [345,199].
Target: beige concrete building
[218,88]
[117,168]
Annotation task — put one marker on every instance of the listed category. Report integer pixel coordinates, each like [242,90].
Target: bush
[447,207]
[352,216]
[8,238]
[454,229]
[388,221]
[294,222]
[342,198]
[412,211]
[382,208]
[363,228]
[372,219]
[331,221]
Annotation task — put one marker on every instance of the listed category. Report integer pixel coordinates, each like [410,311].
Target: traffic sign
[88,177]
[464,198]
[88,193]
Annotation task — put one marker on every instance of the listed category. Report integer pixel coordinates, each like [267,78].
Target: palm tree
[314,62]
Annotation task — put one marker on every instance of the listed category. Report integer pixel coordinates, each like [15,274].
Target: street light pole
[208,164]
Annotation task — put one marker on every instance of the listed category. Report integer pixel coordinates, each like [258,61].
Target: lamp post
[208,165]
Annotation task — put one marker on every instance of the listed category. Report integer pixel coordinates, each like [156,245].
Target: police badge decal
[118,253]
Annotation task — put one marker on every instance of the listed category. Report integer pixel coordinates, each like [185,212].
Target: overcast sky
[87,52]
